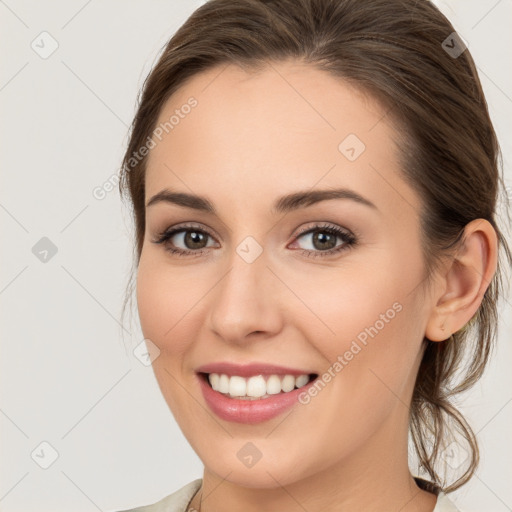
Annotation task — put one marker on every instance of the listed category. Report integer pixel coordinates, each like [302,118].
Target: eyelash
[348,238]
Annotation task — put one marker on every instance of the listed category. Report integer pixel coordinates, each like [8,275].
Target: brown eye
[184,240]
[322,240]
[194,239]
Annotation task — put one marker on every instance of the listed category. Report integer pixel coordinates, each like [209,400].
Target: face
[323,286]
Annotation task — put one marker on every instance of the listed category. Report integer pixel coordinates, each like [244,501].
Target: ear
[466,279]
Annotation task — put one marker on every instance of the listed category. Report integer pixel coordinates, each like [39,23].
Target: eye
[321,240]
[184,240]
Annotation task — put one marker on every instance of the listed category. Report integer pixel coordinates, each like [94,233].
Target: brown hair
[392,49]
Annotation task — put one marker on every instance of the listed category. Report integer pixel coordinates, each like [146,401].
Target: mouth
[252,393]
[256,387]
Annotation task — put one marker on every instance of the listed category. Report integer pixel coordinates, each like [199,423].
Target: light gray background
[66,376]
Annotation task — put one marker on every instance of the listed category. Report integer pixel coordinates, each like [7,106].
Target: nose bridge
[245,300]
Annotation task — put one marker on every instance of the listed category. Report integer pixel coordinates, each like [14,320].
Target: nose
[246,302]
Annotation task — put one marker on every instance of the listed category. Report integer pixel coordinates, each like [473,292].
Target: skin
[252,138]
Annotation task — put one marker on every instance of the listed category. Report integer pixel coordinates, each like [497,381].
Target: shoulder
[175,502]
[444,504]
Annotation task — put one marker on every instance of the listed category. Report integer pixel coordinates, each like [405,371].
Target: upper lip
[250,369]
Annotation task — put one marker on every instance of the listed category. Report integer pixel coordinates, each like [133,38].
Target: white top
[179,500]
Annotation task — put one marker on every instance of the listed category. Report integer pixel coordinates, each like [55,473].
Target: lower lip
[249,411]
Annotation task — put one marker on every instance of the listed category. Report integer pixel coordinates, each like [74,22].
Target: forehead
[261,133]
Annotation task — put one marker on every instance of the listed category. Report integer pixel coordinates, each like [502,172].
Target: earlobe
[465,282]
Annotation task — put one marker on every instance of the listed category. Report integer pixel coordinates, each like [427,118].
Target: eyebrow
[284,204]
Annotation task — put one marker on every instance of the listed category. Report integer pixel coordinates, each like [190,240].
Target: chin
[264,478]
[264,474]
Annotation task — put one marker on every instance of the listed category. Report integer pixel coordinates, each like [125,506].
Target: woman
[314,187]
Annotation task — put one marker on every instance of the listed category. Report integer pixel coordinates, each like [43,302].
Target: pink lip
[248,411]
[248,370]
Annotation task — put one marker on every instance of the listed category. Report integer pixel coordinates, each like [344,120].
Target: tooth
[237,386]
[223,384]
[214,380]
[273,385]
[288,383]
[256,386]
[301,380]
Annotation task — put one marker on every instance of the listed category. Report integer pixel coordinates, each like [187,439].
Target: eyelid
[318,225]
[183,227]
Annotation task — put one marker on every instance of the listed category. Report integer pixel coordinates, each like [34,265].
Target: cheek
[343,302]
[166,300]
[367,325]
[155,311]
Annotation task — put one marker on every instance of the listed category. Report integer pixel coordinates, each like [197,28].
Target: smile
[251,393]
